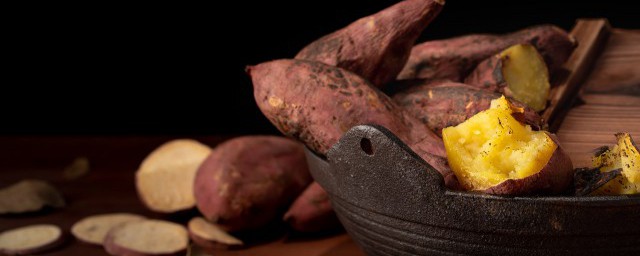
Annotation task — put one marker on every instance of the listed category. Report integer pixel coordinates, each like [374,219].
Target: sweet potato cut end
[526,75]
[94,229]
[165,178]
[147,237]
[211,236]
[30,239]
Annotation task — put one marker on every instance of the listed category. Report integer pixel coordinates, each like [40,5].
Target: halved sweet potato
[622,156]
[518,72]
[495,153]
[375,47]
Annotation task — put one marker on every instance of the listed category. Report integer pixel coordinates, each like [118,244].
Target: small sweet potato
[518,72]
[454,58]
[249,181]
[443,104]
[312,211]
[317,104]
[375,47]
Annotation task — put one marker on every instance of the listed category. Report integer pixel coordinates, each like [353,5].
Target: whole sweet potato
[375,47]
[443,104]
[312,211]
[317,104]
[455,58]
[249,181]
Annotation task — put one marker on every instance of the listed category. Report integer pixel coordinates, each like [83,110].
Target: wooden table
[612,103]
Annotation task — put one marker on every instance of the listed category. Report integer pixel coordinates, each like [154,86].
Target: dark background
[179,68]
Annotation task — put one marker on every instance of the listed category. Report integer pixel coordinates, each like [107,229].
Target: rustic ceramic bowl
[391,202]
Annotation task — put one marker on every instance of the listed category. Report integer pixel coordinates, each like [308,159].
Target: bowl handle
[375,170]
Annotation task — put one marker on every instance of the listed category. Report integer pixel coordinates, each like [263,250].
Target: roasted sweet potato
[518,72]
[455,58]
[312,211]
[249,181]
[623,156]
[375,47]
[495,153]
[317,104]
[443,104]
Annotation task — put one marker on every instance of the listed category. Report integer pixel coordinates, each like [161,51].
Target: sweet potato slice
[375,47]
[147,237]
[210,236]
[495,153]
[443,104]
[249,181]
[30,239]
[455,58]
[317,104]
[518,72]
[623,156]
[312,211]
[94,229]
[165,178]
[29,196]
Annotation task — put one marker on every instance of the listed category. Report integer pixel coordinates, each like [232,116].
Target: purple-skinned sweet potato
[249,181]
[456,57]
[444,103]
[316,103]
[312,211]
[375,47]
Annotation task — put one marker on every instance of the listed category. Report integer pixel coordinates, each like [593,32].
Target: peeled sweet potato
[249,181]
[312,211]
[375,47]
[518,72]
[316,103]
[443,104]
[495,153]
[455,58]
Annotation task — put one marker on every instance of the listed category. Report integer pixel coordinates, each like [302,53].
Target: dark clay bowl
[393,203]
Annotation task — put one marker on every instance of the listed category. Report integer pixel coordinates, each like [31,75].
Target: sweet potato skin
[316,103]
[444,103]
[249,181]
[375,47]
[454,58]
[312,211]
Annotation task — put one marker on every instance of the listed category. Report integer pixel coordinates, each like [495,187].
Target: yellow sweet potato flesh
[526,75]
[492,146]
[624,155]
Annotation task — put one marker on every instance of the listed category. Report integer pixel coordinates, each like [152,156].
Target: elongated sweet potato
[375,47]
[249,181]
[312,211]
[443,104]
[518,72]
[317,104]
[454,58]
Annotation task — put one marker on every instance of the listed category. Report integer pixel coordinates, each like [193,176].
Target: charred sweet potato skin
[455,58]
[316,103]
[375,47]
[443,104]
[248,181]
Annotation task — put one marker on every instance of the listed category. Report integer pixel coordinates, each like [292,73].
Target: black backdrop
[179,68]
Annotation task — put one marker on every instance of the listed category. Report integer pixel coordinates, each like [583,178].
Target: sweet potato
[312,211]
[375,47]
[623,157]
[317,104]
[518,72]
[147,237]
[443,104]
[29,196]
[249,181]
[165,178]
[454,58]
[94,229]
[30,239]
[210,237]
[494,153]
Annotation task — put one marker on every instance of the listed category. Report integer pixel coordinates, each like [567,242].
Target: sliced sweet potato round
[29,196]
[147,237]
[94,229]
[30,239]
[165,178]
[210,236]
